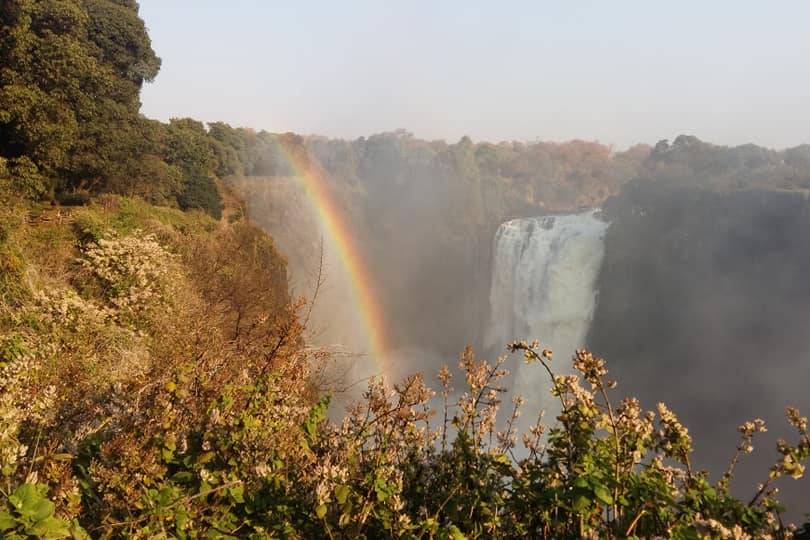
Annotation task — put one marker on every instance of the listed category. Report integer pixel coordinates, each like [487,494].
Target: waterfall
[544,287]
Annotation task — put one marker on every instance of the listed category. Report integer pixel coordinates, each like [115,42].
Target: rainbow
[339,235]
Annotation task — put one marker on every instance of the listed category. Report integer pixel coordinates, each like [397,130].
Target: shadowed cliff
[700,286]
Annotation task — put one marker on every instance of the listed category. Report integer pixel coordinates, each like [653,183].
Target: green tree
[229,148]
[201,192]
[188,147]
[69,83]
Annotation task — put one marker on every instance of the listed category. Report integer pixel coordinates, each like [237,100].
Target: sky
[620,72]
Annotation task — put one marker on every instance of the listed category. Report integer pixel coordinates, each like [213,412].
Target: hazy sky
[618,71]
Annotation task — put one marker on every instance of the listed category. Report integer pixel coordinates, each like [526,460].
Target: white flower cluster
[674,438]
[711,528]
[67,310]
[20,404]
[135,272]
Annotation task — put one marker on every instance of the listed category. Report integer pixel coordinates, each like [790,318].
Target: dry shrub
[173,397]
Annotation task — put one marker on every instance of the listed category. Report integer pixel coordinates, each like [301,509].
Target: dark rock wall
[704,304]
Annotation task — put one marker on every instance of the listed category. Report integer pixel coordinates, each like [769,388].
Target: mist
[700,300]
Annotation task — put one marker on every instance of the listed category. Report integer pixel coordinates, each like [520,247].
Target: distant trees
[690,162]
[545,175]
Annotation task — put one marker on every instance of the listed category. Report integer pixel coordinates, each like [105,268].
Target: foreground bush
[159,391]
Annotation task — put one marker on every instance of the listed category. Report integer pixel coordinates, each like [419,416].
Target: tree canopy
[70,83]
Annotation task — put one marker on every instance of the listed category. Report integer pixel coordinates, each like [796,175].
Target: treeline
[690,162]
[541,174]
[70,126]
[544,175]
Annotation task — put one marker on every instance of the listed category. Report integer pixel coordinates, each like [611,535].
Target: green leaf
[237,493]
[7,521]
[316,416]
[24,498]
[581,503]
[341,493]
[165,497]
[205,458]
[77,532]
[181,520]
[320,511]
[603,494]
[42,509]
[455,533]
[51,528]
[183,477]
[382,489]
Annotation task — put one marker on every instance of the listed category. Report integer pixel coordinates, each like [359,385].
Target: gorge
[215,331]
[699,276]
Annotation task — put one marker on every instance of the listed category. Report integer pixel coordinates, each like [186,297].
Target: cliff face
[704,303]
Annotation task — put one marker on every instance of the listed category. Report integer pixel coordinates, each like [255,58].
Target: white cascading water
[544,287]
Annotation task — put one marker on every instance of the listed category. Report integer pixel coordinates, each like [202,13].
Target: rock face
[704,304]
